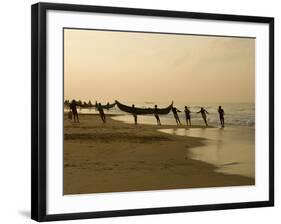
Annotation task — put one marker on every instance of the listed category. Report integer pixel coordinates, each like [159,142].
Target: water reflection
[231,149]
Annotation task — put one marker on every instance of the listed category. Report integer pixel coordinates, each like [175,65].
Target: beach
[120,157]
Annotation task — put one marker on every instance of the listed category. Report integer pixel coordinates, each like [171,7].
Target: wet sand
[119,157]
[231,149]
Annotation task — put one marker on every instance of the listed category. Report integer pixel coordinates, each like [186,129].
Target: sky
[141,67]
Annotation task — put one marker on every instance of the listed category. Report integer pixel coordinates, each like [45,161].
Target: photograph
[148,111]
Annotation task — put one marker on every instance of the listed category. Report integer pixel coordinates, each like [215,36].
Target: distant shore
[119,157]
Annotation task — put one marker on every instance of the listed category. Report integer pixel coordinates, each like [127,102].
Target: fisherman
[90,104]
[176,116]
[102,115]
[134,112]
[221,116]
[187,115]
[73,108]
[203,114]
[155,112]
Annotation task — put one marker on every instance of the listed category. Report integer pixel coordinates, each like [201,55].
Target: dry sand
[118,157]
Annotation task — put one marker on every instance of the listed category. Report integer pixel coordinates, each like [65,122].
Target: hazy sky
[138,67]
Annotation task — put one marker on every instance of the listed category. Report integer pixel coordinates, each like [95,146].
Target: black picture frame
[38,110]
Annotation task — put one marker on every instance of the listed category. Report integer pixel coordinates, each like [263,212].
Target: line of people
[73,112]
[203,113]
[187,112]
[188,116]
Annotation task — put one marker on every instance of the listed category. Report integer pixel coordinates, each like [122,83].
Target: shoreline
[120,157]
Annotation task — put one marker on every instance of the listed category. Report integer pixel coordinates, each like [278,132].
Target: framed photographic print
[140,111]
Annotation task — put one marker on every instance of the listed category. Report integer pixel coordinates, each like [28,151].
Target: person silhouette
[156,115]
[187,115]
[73,108]
[102,115]
[176,116]
[203,114]
[107,106]
[221,116]
[134,112]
